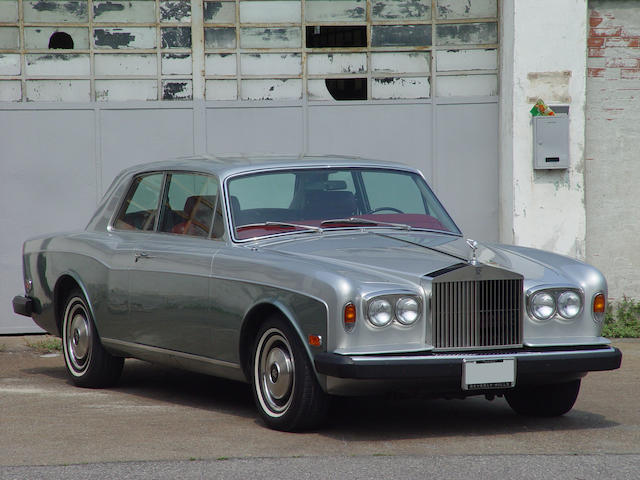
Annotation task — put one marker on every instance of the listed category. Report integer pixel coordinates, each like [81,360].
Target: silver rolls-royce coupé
[310,277]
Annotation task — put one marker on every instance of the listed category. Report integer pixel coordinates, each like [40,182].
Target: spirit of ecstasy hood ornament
[473,245]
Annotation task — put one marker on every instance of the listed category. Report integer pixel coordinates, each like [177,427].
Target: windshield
[315,200]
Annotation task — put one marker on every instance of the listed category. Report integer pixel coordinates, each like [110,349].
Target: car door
[171,265]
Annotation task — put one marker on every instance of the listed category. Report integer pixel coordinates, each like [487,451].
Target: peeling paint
[399,88]
[336,63]
[285,37]
[220,12]
[270,11]
[220,37]
[275,89]
[177,90]
[400,35]
[114,38]
[334,10]
[402,10]
[175,11]
[467,33]
[455,9]
[100,8]
[176,37]
[51,11]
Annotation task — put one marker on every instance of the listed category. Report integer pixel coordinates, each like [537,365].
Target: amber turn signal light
[349,316]
[599,303]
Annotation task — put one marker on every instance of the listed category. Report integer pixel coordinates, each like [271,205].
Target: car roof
[225,166]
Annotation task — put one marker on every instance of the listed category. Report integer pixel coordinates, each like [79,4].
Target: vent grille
[477,314]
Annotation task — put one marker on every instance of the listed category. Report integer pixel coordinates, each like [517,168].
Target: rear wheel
[285,388]
[88,363]
[544,400]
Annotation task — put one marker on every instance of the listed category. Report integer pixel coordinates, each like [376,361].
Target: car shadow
[373,418]
[359,419]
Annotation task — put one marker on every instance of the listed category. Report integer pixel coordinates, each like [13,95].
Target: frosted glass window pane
[130,37]
[113,64]
[56,11]
[401,35]
[387,88]
[56,64]
[221,90]
[177,64]
[220,64]
[9,64]
[10,91]
[122,90]
[270,11]
[275,89]
[58,90]
[220,12]
[401,9]
[271,64]
[9,38]
[448,60]
[277,37]
[220,37]
[175,11]
[124,12]
[8,11]
[177,90]
[401,62]
[320,63]
[467,34]
[38,37]
[448,9]
[335,10]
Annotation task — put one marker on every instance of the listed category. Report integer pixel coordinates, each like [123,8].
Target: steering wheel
[392,209]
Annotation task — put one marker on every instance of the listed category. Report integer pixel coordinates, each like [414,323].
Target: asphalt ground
[163,423]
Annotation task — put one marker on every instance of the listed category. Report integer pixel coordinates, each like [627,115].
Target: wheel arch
[64,285]
[256,315]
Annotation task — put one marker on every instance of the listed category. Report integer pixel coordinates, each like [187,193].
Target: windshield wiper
[279,224]
[366,221]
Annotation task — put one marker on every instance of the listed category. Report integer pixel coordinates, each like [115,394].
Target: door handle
[142,255]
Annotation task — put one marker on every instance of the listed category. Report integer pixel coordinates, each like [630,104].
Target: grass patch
[622,319]
[48,345]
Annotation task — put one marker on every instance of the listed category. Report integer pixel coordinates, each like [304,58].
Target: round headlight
[569,304]
[543,305]
[380,313]
[407,310]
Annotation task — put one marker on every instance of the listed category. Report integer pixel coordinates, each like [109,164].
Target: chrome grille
[477,313]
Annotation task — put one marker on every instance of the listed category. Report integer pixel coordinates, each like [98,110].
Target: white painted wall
[543,56]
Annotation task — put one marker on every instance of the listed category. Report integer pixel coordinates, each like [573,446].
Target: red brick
[596,52]
[595,21]
[632,42]
[630,73]
[596,72]
[605,32]
[595,42]
[622,63]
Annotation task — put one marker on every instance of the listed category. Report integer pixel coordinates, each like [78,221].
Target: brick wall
[612,149]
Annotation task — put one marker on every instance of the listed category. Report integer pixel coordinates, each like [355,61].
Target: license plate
[487,374]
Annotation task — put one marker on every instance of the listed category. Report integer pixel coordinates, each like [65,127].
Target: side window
[189,205]
[140,208]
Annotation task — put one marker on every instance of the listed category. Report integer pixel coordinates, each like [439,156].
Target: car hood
[413,255]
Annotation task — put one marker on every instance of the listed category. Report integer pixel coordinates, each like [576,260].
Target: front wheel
[285,388]
[544,400]
[88,363]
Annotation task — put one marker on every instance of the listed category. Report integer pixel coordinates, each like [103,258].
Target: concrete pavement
[159,415]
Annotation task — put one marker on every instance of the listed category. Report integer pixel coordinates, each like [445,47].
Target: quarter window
[140,208]
[190,204]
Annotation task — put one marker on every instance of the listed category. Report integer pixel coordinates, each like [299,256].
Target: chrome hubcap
[77,336]
[275,372]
